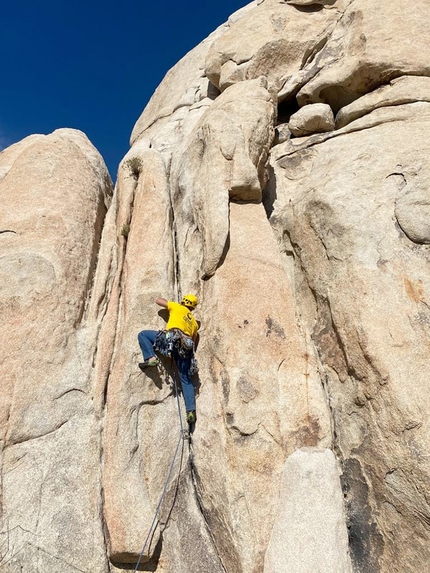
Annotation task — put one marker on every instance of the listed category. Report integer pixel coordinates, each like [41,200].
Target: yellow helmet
[189,300]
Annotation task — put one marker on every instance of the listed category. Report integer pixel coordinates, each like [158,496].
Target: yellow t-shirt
[182,318]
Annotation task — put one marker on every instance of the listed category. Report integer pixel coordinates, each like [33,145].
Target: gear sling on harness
[169,342]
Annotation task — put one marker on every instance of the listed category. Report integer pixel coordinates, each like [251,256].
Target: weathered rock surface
[269,406]
[407,89]
[223,159]
[310,257]
[272,40]
[309,533]
[367,48]
[184,85]
[129,423]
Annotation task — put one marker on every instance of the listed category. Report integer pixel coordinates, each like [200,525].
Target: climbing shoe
[191,417]
[151,362]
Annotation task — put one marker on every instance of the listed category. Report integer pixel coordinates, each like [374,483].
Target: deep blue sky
[93,65]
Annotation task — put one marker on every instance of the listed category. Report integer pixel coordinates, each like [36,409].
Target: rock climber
[181,328]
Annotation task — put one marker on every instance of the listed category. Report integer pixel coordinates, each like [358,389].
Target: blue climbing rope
[181,439]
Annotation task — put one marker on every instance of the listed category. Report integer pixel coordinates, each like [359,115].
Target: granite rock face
[54,192]
[281,172]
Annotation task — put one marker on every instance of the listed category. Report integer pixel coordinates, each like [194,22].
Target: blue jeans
[146,340]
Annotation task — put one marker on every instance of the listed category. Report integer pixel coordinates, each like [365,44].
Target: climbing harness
[166,341]
[183,435]
[174,340]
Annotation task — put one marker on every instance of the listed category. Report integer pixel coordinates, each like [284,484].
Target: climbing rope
[182,436]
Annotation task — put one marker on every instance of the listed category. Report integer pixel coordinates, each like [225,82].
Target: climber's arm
[161,302]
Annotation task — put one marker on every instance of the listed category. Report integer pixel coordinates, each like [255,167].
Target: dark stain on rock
[309,9]
[225,381]
[216,342]
[126,560]
[246,389]
[413,425]
[414,289]
[328,343]
[365,541]
[274,327]
[308,435]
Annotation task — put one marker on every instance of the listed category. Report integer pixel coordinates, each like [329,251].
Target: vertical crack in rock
[95,250]
[324,331]
[289,248]
[177,287]
[195,481]
[365,541]
[104,527]
[177,266]
[101,497]
[123,219]
[269,194]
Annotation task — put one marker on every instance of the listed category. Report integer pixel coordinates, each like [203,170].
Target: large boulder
[314,118]
[54,197]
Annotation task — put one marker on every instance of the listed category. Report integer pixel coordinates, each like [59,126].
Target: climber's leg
[146,340]
[188,393]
